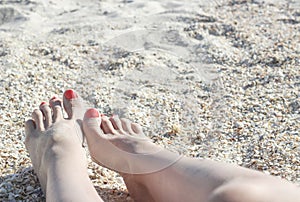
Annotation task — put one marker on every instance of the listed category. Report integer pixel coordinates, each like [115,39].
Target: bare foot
[55,148]
[121,145]
[130,151]
[154,174]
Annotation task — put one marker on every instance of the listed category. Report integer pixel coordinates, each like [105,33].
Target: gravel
[217,81]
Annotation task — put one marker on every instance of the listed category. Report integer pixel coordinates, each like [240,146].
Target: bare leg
[186,180]
[55,148]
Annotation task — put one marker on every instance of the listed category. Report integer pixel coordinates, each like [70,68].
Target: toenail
[92,113]
[70,94]
[55,103]
[43,103]
[53,98]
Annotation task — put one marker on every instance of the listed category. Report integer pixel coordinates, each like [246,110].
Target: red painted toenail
[53,98]
[43,103]
[92,113]
[70,94]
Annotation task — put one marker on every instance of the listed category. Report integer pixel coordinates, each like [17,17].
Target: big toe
[91,124]
[73,104]
[94,135]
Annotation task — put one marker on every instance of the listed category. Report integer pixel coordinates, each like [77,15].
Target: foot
[55,148]
[153,174]
[130,151]
[121,145]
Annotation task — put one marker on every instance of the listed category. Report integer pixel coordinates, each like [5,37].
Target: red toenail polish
[70,94]
[92,113]
[53,98]
[43,103]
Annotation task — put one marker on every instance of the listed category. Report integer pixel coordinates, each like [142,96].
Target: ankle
[138,186]
[70,183]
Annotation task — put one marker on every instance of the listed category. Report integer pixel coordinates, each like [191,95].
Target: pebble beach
[208,79]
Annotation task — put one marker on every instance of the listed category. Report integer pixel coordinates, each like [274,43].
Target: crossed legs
[54,145]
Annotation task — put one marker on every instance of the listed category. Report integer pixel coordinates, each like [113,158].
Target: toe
[116,122]
[126,124]
[56,106]
[38,118]
[46,110]
[107,126]
[29,129]
[29,132]
[136,128]
[138,131]
[91,125]
[73,105]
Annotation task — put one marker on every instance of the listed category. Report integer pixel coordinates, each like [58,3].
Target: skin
[56,152]
[59,161]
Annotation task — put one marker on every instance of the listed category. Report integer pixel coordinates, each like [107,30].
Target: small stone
[238,125]
[3,191]
[11,197]
[29,188]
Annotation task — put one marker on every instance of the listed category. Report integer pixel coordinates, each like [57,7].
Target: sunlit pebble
[3,190]
[29,188]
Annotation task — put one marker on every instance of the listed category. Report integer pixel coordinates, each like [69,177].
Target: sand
[208,79]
